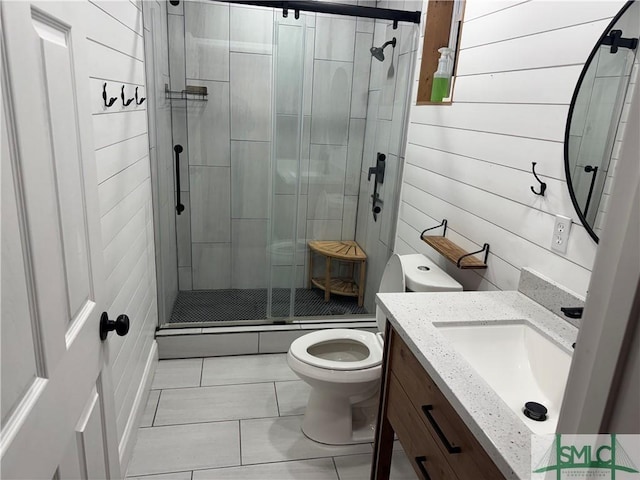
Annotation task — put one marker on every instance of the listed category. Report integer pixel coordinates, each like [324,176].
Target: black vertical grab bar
[378,173]
[179,205]
[594,172]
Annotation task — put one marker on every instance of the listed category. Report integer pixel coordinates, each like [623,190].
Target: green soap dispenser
[442,77]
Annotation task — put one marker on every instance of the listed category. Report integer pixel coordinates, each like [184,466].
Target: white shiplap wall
[470,162]
[122,156]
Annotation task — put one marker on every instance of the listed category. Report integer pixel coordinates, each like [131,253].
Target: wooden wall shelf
[452,252]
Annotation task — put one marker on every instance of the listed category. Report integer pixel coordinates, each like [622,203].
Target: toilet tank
[415,273]
[422,275]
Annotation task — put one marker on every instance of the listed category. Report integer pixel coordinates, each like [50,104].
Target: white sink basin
[520,363]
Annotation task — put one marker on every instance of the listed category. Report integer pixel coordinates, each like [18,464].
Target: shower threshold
[249,307]
[197,340]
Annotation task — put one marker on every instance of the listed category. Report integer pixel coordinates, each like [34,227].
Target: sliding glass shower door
[279,120]
[221,59]
[286,242]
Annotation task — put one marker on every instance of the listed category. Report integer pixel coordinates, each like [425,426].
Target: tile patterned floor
[238,418]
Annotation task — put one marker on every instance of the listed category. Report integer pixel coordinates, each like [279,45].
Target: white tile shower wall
[229,50]
[470,162]
[208,126]
[251,30]
[210,198]
[326,192]
[248,253]
[207,41]
[211,266]
[250,99]
[330,104]
[384,133]
[127,156]
[620,135]
[249,169]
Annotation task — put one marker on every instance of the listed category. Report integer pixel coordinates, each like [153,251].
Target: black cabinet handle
[427,412]
[120,325]
[179,206]
[420,461]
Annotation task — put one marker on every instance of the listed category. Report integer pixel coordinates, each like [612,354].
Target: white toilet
[343,366]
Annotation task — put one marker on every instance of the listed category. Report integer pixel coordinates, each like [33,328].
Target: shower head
[378,52]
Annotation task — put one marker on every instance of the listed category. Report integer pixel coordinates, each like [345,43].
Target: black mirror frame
[587,64]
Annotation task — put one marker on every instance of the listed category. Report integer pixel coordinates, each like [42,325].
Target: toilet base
[334,420]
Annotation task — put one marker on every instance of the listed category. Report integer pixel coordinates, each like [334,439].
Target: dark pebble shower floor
[251,304]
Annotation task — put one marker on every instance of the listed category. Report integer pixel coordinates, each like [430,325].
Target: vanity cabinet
[434,437]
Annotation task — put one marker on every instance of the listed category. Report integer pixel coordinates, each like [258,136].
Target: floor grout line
[275,390]
[228,420]
[229,384]
[155,413]
[236,419]
[240,440]
[335,466]
[306,459]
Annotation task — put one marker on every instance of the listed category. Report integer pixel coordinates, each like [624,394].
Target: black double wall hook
[125,103]
[543,186]
[111,100]
[142,99]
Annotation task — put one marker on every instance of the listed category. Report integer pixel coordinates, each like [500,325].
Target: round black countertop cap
[535,411]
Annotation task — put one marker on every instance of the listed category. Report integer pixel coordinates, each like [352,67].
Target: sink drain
[535,411]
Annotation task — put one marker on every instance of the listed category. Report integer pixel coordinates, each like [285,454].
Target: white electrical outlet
[560,236]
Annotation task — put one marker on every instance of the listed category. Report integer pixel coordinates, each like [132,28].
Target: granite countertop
[504,436]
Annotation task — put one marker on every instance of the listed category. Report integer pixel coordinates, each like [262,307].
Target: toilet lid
[341,337]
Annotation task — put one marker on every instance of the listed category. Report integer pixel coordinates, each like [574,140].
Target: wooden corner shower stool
[345,251]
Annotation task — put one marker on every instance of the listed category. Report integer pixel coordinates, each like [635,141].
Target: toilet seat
[300,349]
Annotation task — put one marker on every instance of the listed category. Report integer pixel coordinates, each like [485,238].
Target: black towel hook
[104,96]
[125,103]
[543,186]
[142,99]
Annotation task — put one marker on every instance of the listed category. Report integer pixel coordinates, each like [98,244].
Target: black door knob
[120,325]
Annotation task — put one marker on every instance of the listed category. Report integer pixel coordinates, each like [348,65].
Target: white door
[57,401]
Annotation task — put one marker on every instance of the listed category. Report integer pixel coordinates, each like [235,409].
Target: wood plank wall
[122,156]
[471,162]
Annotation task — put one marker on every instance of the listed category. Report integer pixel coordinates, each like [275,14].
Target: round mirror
[595,124]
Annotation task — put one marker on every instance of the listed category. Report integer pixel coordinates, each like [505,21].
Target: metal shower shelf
[190,93]
[452,252]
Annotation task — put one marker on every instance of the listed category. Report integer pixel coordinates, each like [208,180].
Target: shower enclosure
[275,123]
